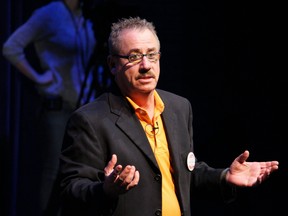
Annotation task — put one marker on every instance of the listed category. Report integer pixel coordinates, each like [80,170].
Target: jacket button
[158,212]
[157,177]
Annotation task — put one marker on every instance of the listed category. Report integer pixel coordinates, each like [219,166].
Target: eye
[151,55]
[134,57]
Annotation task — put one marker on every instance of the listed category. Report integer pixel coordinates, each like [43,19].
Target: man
[131,151]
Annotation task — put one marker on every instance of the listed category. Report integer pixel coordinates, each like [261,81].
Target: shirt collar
[142,113]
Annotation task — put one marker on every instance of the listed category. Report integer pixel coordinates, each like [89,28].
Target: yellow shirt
[157,138]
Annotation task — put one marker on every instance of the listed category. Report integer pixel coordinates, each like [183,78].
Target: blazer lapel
[130,125]
[171,125]
[169,119]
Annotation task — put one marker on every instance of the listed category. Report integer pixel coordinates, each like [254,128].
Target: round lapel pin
[191,161]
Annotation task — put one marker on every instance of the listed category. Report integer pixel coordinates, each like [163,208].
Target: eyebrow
[138,50]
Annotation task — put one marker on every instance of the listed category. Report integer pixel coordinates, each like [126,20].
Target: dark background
[227,58]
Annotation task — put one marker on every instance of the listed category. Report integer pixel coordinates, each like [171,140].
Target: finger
[243,157]
[274,165]
[110,166]
[125,175]
[259,180]
[135,180]
[117,170]
[271,166]
[128,171]
[119,180]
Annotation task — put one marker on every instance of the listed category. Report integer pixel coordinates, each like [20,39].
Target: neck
[146,101]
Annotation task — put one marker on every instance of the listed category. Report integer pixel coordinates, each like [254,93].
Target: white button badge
[191,161]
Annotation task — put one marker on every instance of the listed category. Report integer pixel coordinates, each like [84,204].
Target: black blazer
[109,126]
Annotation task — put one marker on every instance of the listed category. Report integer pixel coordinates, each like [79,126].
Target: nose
[145,63]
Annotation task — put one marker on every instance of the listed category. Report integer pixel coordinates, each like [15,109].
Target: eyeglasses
[137,57]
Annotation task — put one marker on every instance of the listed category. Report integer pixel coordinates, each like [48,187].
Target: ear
[111,64]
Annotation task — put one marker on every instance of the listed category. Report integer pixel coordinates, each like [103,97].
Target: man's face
[139,77]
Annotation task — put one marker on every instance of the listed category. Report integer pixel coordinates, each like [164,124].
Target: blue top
[62,44]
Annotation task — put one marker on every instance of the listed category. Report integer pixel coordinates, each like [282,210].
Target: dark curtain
[17,103]
[9,115]
[227,58]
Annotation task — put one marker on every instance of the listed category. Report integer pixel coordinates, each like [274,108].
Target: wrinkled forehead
[138,39]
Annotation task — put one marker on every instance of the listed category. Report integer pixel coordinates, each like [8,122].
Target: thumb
[110,166]
[243,157]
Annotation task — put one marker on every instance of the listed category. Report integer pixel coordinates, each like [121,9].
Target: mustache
[145,75]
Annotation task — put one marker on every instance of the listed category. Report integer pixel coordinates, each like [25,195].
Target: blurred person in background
[64,42]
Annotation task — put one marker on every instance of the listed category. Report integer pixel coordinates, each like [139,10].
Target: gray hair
[128,23]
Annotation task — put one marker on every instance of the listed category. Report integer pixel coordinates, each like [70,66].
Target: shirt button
[158,212]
